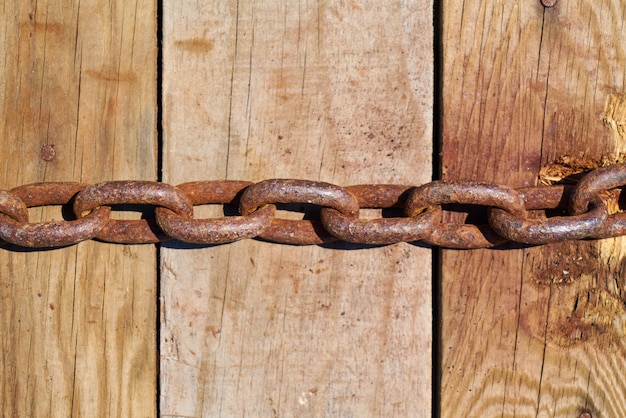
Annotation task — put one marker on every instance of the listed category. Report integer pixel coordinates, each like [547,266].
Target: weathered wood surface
[78,323]
[536,331]
[335,91]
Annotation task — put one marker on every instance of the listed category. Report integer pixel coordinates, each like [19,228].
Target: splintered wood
[331,91]
[569,169]
[614,117]
[533,331]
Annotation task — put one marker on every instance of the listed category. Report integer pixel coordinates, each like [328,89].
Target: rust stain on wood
[195,45]
[597,317]
[112,75]
[563,263]
[58,30]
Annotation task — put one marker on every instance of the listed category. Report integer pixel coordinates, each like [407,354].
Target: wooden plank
[77,323]
[534,331]
[338,92]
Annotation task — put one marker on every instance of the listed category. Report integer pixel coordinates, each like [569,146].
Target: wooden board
[536,331]
[78,323]
[331,91]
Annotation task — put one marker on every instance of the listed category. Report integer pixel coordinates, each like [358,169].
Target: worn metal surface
[544,231]
[17,229]
[305,231]
[214,231]
[599,182]
[383,230]
[442,192]
[140,231]
[513,214]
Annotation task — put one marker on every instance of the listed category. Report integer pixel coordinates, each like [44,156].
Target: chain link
[17,229]
[518,215]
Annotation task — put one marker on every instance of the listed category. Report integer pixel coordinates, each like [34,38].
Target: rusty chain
[533,216]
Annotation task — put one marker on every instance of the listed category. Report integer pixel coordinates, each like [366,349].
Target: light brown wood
[535,331]
[331,91]
[78,323]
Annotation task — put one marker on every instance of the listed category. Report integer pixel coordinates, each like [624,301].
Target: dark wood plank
[537,331]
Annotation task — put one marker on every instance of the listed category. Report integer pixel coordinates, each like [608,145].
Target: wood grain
[331,91]
[77,323]
[534,331]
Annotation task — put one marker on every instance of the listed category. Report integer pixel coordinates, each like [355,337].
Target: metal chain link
[517,215]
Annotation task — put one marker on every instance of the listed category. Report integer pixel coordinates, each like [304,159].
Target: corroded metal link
[544,231]
[13,206]
[301,232]
[306,232]
[541,198]
[380,196]
[464,192]
[599,182]
[214,231]
[596,182]
[51,233]
[512,213]
[131,193]
[382,230]
[464,237]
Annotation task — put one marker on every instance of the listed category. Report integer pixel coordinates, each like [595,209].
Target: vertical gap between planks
[159,87]
[436,267]
[159,129]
